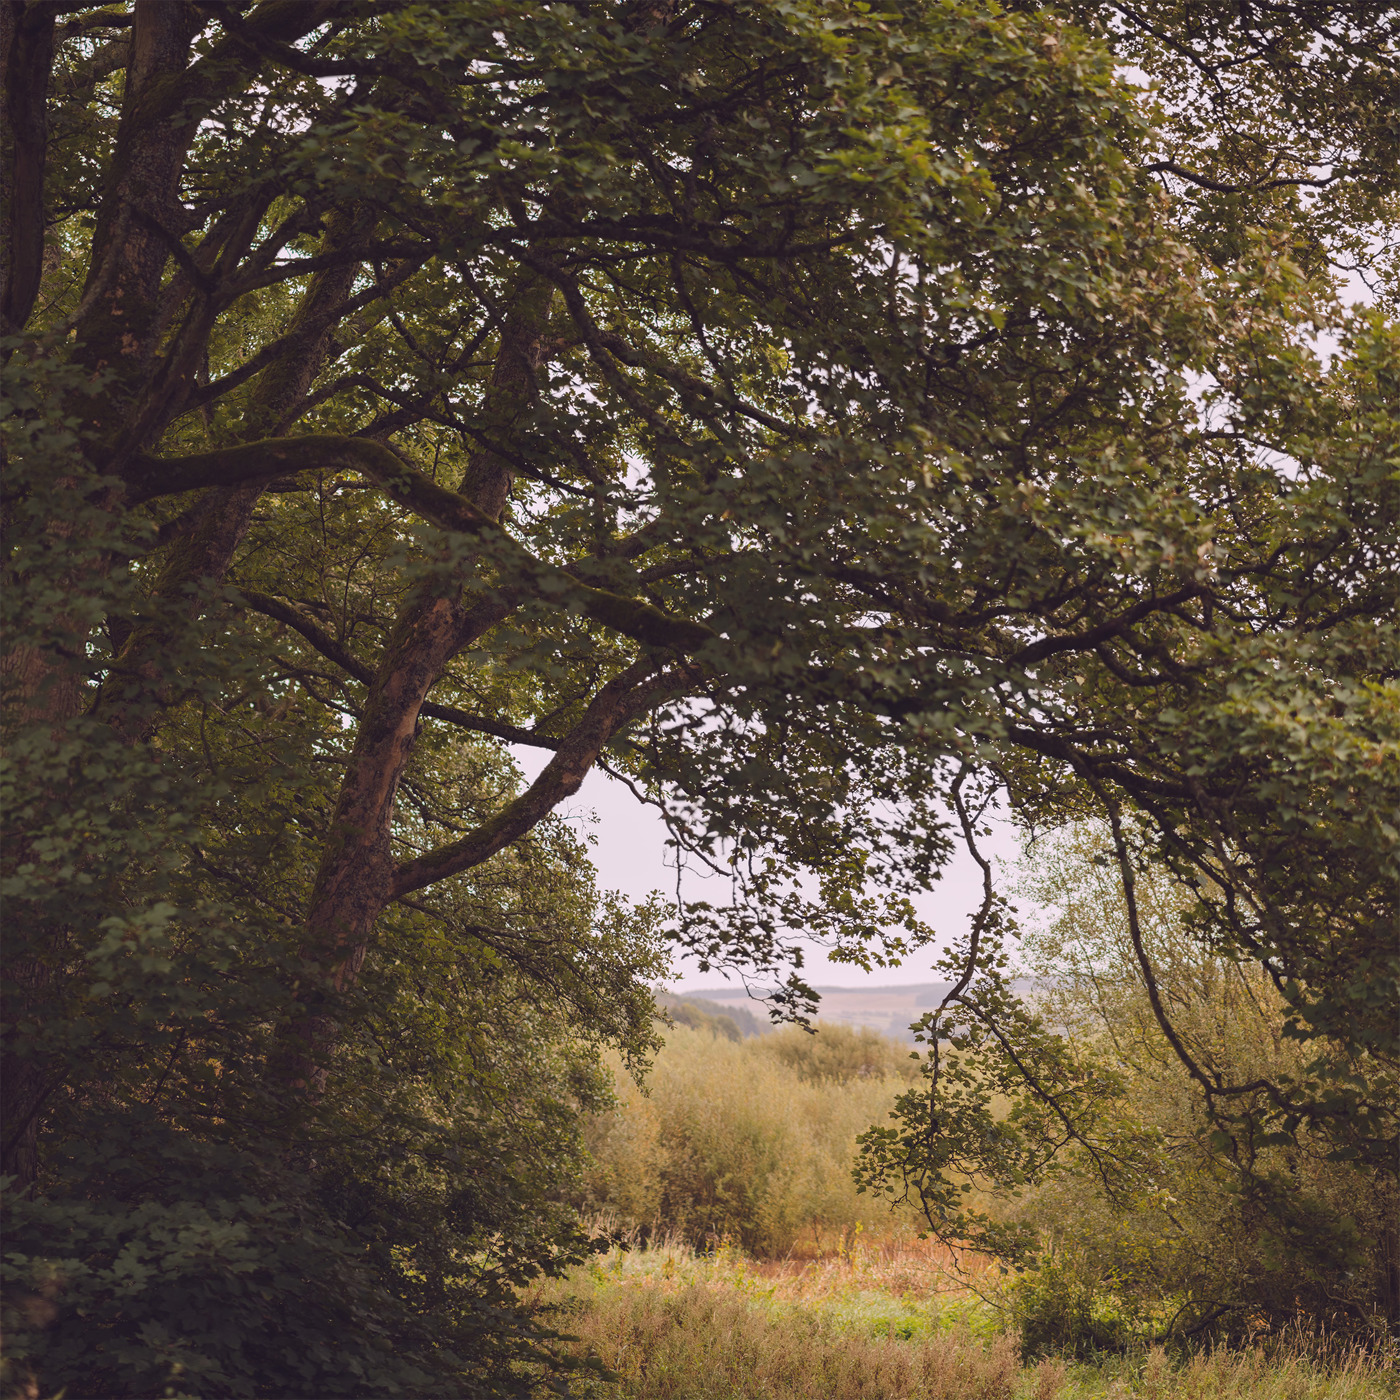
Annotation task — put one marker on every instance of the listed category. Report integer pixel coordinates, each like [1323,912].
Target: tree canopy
[829,420]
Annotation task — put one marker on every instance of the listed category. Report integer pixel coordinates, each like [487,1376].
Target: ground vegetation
[886,1320]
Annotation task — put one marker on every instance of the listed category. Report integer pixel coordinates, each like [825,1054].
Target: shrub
[1206,1229]
[747,1140]
[1061,1310]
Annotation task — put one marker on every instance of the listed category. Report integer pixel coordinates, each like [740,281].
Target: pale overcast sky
[630,854]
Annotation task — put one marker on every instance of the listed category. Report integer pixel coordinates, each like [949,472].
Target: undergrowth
[884,1321]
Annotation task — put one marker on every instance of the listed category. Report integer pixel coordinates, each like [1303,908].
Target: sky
[630,854]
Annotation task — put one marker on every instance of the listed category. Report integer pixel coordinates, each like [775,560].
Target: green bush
[749,1140]
[205,1278]
[1061,1310]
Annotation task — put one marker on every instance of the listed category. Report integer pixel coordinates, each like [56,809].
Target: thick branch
[282,611]
[259,42]
[149,477]
[619,702]
[1170,167]
[299,334]
[1114,627]
[26,58]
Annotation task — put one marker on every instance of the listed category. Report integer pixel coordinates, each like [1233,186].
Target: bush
[1061,1310]
[746,1140]
[207,1280]
[1204,1229]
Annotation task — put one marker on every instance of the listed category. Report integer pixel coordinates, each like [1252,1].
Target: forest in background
[836,424]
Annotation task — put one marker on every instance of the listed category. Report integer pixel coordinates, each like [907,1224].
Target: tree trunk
[26,59]
[355,880]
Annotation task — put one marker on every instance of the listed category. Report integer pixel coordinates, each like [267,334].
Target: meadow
[881,1320]
[738,1261]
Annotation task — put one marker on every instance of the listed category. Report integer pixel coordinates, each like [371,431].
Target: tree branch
[149,477]
[281,610]
[1084,641]
[620,701]
[1170,167]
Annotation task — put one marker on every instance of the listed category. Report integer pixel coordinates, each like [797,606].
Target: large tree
[823,419]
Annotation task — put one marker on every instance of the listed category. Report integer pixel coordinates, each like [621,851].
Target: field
[874,1321]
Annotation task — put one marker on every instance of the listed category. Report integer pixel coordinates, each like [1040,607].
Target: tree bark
[140,215]
[26,60]
[355,879]
[141,218]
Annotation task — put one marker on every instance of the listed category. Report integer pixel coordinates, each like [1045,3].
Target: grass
[883,1321]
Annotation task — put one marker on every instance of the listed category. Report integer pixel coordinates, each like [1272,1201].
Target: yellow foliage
[748,1140]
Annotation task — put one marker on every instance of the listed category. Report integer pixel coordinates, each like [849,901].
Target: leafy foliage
[813,416]
[1131,1213]
[1209,1230]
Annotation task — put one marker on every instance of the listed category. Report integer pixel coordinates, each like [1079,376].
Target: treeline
[732,1022]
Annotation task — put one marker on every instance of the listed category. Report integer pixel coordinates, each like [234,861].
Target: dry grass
[882,1320]
[704,1342]
[1231,1375]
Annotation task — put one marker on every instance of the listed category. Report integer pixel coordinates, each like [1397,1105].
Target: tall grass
[674,1324]
[873,1324]
[750,1141]
[704,1344]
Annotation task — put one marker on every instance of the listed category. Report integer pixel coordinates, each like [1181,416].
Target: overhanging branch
[619,702]
[149,477]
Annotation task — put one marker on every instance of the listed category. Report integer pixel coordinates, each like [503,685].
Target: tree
[1285,1223]
[197,1225]
[794,410]
[1144,1227]
[1270,124]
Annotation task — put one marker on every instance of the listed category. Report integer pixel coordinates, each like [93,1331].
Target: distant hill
[888,1010]
[728,1022]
